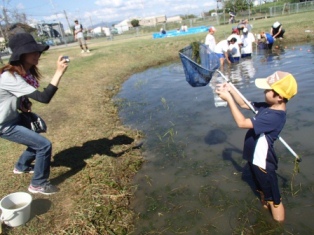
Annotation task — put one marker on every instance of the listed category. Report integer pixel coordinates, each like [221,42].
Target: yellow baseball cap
[281,82]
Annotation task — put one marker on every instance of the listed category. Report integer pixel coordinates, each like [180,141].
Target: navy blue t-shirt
[259,141]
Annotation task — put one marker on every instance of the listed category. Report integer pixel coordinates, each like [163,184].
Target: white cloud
[20,6]
[109,4]
[112,10]
[119,3]
[115,10]
[54,17]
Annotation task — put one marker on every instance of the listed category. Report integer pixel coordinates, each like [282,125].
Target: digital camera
[66,58]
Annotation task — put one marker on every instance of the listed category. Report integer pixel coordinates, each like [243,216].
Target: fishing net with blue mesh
[199,63]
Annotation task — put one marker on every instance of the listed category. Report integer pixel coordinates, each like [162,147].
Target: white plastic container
[16,208]
[217,100]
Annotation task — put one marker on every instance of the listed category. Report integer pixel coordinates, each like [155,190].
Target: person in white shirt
[235,48]
[210,39]
[247,40]
[222,50]
[79,36]
[184,28]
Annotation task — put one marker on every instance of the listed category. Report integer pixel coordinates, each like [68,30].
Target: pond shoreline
[190,142]
[301,36]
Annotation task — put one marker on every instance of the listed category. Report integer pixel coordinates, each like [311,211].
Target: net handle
[252,108]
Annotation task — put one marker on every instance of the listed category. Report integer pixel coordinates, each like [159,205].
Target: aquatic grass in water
[164,103]
[194,153]
[196,52]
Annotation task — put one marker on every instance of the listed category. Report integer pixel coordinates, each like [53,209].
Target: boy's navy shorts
[267,182]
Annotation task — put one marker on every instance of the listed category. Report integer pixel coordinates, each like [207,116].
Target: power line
[31,8]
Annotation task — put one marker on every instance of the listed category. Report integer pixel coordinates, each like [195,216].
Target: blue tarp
[174,33]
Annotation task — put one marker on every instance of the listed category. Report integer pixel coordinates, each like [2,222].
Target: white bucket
[16,208]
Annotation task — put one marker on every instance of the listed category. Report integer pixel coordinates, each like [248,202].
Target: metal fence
[290,8]
[223,18]
[259,12]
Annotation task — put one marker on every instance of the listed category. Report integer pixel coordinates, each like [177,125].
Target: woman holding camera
[19,81]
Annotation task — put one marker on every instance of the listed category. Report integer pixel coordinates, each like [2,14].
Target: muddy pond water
[194,180]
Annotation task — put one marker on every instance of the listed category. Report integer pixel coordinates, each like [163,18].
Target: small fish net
[199,64]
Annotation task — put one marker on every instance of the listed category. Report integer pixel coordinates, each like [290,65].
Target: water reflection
[194,180]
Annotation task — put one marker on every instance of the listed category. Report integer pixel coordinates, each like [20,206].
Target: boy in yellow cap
[264,129]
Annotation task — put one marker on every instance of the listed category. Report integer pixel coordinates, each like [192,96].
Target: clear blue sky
[94,11]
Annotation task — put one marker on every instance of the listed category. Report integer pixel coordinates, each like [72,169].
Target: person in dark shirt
[19,81]
[276,30]
[263,129]
[162,31]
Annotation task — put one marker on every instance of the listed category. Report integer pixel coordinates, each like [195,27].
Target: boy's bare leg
[278,211]
[222,60]
[264,203]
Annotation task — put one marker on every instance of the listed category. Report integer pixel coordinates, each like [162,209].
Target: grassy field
[94,156]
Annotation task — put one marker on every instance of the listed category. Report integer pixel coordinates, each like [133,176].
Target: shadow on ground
[40,206]
[74,158]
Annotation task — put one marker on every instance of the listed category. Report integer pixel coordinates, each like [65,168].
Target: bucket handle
[2,219]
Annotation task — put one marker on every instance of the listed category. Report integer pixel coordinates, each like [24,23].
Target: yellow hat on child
[281,82]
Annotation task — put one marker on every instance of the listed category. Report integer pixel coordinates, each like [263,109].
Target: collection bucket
[16,208]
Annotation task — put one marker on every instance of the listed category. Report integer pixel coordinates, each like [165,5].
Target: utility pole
[249,3]
[66,17]
[61,29]
[217,16]
[91,23]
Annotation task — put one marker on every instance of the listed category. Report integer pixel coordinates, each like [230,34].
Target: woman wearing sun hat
[19,81]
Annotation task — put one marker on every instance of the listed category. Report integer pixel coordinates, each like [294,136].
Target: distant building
[123,26]
[153,20]
[98,30]
[51,30]
[177,19]
[101,31]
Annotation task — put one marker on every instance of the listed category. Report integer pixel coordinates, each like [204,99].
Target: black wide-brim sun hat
[23,43]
